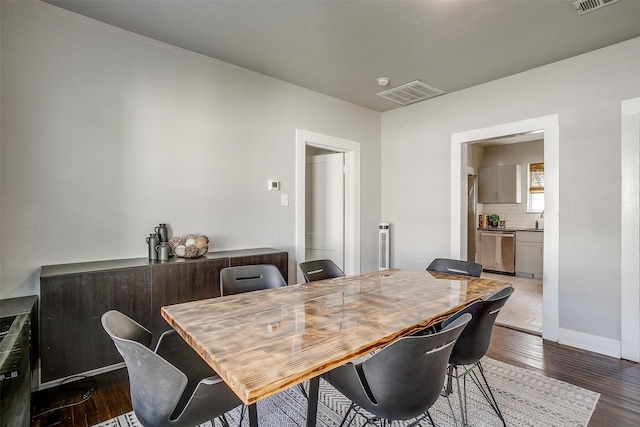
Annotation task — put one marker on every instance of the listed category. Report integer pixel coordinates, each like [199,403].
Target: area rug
[526,398]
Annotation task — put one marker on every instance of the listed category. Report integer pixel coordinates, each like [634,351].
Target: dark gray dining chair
[455,266]
[247,278]
[472,345]
[402,380]
[320,269]
[171,385]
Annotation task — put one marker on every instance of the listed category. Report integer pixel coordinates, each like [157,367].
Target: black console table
[73,297]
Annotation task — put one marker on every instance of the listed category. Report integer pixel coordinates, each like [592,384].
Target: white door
[324,208]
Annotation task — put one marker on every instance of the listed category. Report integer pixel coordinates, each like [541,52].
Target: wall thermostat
[274,185]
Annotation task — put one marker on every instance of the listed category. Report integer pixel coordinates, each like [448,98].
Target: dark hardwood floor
[617,381]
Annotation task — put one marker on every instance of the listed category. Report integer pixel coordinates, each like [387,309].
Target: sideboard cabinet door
[72,338]
[182,281]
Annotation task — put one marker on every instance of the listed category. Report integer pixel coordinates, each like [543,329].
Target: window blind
[536,177]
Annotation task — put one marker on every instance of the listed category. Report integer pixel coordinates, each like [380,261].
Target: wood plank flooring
[617,381]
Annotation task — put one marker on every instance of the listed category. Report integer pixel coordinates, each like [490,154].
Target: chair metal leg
[303,391]
[346,415]
[488,394]
[453,413]
[463,403]
[377,421]
[419,419]
[449,385]
[431,419]
[483,386]
[223,420]
[242,410]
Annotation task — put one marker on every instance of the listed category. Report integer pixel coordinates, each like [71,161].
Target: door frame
[630,231]
[351,150]
[459,141]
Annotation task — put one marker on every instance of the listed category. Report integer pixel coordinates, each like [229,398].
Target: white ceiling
[340,47]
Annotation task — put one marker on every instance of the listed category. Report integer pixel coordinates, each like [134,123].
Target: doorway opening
[324,205]
[460,145]
[514,248]
[313,237]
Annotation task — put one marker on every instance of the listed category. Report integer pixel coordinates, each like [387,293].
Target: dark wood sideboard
[18,354]
[73,297]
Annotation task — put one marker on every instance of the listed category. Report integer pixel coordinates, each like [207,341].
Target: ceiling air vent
[411,92]
[586,6]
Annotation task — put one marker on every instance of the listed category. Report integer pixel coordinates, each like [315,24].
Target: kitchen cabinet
[529,254]
[500,184]
[73,298]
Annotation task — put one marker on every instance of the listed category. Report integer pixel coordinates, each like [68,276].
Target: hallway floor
[523,310]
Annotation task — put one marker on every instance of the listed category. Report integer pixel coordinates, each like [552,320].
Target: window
[536,188]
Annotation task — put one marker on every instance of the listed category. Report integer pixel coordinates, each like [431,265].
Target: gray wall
[586,92]
[105,134]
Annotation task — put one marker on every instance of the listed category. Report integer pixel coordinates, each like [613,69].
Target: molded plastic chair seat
[454,266]
[320,269]
[247,278]
[171,386]
[402,380]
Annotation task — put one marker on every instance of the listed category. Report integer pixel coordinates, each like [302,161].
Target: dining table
[265,341]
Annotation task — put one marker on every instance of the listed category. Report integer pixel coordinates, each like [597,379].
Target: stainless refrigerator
[472,217]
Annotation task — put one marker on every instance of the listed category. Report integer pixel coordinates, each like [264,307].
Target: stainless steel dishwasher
[497,250]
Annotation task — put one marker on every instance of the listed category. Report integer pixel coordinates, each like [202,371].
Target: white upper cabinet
[500,184]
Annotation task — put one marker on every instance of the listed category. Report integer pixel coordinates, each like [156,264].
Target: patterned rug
[525,398]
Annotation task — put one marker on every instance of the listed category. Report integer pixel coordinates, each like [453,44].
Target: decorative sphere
[201,242]
[175,241]
[180,250]
[191,251]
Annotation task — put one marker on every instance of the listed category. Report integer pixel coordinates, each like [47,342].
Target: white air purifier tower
[383,246]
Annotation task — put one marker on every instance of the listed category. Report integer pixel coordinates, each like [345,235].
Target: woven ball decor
[192,246]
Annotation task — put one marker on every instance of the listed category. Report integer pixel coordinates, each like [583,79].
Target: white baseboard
[597,344]
[43,386]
